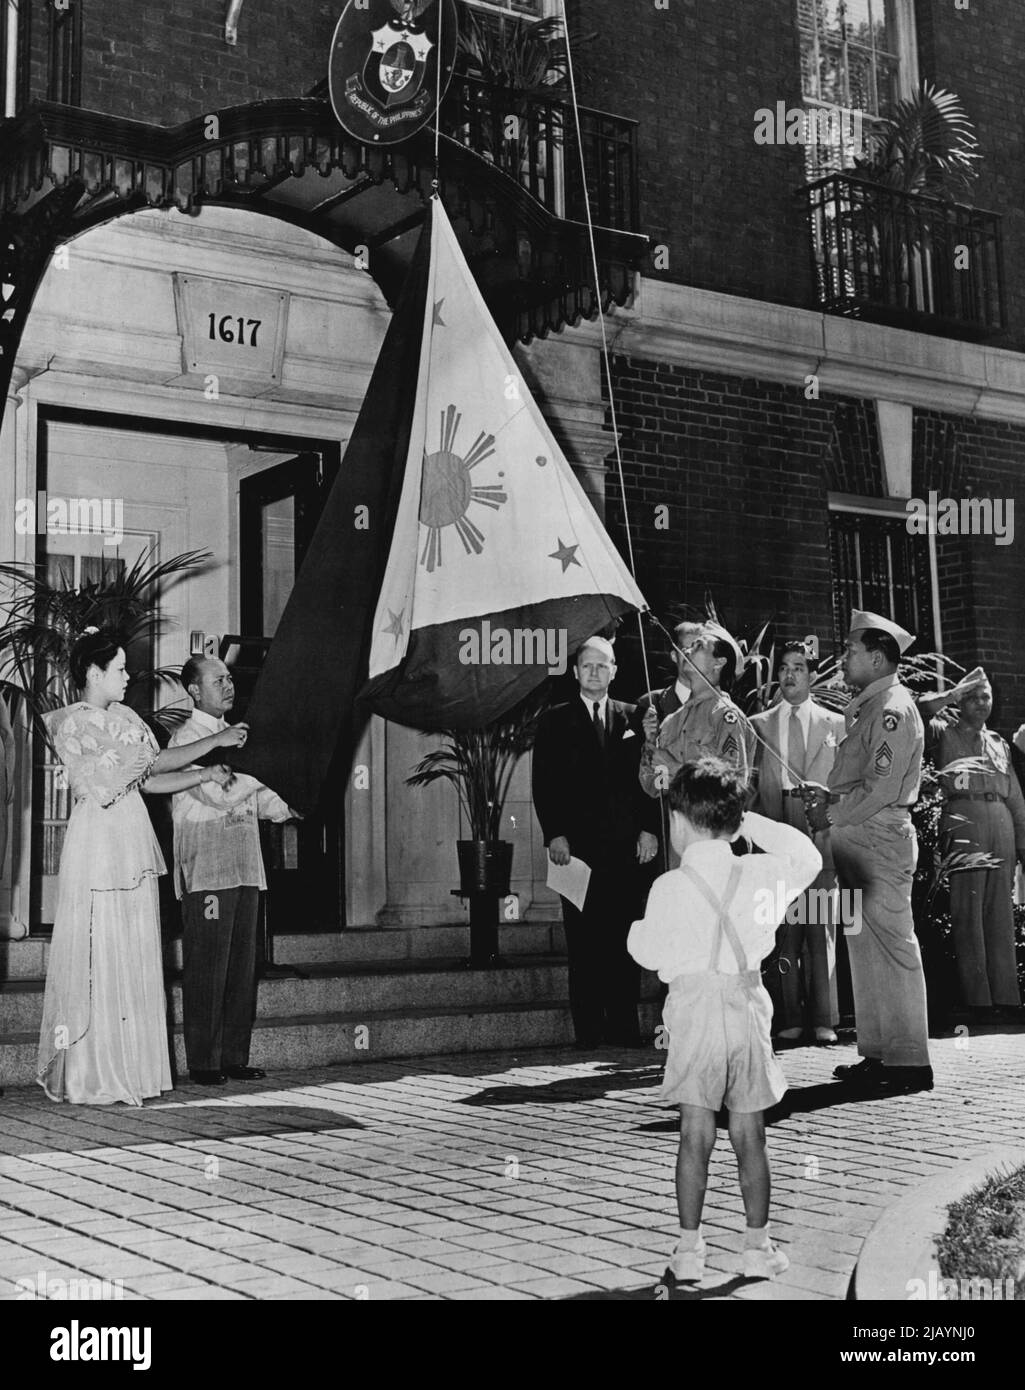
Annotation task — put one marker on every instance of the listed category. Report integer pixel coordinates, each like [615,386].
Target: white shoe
[790,1034]
[764,1262]
[688,1266]
[825,1035]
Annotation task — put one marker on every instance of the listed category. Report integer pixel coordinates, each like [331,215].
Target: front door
[278,512]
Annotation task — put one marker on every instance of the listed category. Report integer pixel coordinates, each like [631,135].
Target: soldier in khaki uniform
[985,813]
[867,806]
[708,724]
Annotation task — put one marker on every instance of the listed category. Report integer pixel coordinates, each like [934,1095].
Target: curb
[901,1246]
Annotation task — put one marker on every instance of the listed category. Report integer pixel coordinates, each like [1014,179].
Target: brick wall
[166,60]
[744,468]
[981,583]
[693,75]
[979,53]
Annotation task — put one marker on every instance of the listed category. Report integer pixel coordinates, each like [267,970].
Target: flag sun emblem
[446,491]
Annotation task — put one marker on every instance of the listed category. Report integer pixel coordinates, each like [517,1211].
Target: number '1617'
[224,328]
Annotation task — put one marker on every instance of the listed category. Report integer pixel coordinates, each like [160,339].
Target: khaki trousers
[877,859]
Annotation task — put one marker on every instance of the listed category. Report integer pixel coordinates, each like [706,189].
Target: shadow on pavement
[800,1100]
[666,1291]
[175,1122]
[626,1076]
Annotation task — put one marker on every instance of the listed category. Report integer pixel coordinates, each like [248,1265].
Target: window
[14,37]
[857,56]
[532,9]
[878,566]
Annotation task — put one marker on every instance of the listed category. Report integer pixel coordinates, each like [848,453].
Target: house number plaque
[230,330]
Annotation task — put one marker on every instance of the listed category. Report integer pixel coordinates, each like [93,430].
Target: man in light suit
[806,735]
[590,806]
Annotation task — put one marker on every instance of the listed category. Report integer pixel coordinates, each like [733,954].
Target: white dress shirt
[804,715]
[676,933]
[216,829]
[683,692]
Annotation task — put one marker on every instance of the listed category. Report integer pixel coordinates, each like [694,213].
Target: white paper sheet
[570,880]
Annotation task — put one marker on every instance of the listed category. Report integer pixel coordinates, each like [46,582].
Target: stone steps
[352,1011]
[355,946]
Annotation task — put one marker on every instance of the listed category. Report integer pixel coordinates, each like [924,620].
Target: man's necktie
[599,727]
[795,745]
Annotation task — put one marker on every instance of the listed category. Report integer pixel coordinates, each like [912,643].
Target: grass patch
[985,1235]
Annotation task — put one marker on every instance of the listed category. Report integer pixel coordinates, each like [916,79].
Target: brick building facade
[781,429]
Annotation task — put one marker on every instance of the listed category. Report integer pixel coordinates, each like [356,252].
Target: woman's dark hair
[93,649]
[711,794]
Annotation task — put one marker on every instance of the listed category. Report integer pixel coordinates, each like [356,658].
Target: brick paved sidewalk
[546,1175]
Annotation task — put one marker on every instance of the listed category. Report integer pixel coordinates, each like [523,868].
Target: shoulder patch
[890,720]
[729,716]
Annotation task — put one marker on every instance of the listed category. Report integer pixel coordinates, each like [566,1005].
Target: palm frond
[927,145]
[480,764]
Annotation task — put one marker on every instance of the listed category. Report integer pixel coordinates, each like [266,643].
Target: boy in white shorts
[707,927]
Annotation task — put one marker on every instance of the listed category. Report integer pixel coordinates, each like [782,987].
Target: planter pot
[484,866]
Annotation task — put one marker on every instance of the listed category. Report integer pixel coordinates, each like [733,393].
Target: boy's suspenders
[723,925]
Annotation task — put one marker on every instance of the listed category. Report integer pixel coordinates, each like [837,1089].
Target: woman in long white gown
[104,1033]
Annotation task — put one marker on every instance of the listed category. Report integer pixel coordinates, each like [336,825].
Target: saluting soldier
[984,812]
[708,723]
[867,806]
[666,702]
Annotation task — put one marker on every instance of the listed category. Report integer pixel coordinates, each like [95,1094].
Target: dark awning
[63,170]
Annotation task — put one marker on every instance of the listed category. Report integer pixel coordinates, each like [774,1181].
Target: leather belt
[791,791]
[976,796]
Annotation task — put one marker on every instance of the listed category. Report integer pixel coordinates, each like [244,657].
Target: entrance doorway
[252,500]
[279,508]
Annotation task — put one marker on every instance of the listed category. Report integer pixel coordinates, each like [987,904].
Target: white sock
[689,1240]
[757,1238]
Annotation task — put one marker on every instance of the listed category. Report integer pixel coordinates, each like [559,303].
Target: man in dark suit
[591,806]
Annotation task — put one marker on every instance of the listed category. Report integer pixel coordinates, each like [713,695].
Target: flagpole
[604,335]
[694,667]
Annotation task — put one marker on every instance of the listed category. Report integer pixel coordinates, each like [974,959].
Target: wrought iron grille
[915,261]
[879,567]
[534,141]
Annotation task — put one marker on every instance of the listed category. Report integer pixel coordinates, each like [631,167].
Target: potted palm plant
[480,763]
[925,153]
[41,615]
[509,106]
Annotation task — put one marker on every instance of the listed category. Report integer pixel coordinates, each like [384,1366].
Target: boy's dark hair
[875,641]
[798,649]
[711,794]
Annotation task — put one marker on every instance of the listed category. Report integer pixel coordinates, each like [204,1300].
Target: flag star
[567,554]
[437,313]
[395,626]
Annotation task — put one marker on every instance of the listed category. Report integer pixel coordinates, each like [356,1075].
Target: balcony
[542,153]
[904,259]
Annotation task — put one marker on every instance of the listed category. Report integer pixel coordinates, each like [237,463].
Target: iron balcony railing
[534,140]
[903,258]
